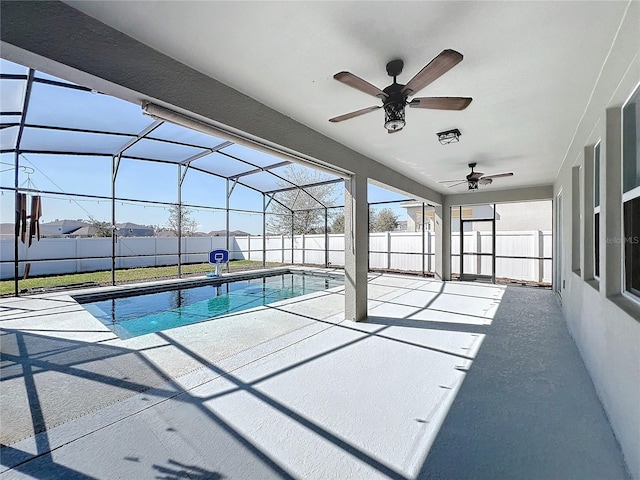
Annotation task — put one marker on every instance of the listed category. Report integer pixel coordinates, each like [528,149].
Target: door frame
[478,277]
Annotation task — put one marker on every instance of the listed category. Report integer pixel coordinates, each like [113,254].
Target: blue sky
[90,174]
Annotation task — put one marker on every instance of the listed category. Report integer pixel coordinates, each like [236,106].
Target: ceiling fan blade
[437,67]
[451,181]
[498,175]
[357,113]
[475,176]
[456,184]
[359,84]
[441,103]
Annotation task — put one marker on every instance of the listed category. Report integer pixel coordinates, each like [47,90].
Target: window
[575,219]
[596,211]
[631,193]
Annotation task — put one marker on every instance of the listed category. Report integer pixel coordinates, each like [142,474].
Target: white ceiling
[529,66]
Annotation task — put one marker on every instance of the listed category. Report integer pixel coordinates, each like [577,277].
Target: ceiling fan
[476,178]
[395,96]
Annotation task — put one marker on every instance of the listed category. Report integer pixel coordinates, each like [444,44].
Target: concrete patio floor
[443,381]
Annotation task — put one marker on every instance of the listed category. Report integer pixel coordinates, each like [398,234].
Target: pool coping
[106,292]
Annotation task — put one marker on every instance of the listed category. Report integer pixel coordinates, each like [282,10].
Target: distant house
[509,216]
[7,230]
[58,228]
[82,229]
[82,232]
[129,229]
[401,226]
[223,233]
[61,228]
[414,217]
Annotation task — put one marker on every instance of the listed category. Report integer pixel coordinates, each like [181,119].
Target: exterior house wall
[604,324]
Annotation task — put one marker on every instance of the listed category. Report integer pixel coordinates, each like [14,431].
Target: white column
[356,232]
[443,242]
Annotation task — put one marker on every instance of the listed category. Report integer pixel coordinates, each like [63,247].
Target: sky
[140,180]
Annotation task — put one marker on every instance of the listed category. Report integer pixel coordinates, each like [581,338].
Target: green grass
[123,275]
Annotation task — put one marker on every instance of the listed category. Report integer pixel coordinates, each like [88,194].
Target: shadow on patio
[461,382]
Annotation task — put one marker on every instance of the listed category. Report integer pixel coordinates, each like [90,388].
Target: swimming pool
[130,314]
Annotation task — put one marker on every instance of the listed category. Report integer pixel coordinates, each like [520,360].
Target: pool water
[132,316]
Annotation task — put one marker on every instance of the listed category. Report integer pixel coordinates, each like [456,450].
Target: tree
[379,221]
[180,216]
[384,221]
[103,229]
[308,216]
[338,224]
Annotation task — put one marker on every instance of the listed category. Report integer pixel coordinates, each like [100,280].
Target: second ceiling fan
[396,96]
[476,178]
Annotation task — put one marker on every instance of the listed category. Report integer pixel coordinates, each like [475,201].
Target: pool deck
[443,381]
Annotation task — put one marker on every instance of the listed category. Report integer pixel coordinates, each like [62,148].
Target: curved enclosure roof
[57,117]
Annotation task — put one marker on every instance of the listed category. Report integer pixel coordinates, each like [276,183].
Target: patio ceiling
[531,68]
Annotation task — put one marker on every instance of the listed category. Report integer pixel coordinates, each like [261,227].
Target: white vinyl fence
[399,251]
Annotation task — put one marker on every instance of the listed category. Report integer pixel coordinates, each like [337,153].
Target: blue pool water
[131,316]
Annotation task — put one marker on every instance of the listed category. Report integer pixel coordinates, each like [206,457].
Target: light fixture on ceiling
[394,115]
[450,136]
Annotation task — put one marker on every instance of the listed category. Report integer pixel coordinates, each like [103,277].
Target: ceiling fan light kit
[394,116]
[450,136]
[395,96]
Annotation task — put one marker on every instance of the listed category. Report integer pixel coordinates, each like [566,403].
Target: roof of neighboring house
[223,233]
[86,231]
[61,227]
[133,225]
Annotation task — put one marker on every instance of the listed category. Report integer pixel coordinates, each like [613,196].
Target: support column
[180,220]
[356,255]
[442,219]
[422,232]
[115,164]
[264,231]
[326,238]
[227,222]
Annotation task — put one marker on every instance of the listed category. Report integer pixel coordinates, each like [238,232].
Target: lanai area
[388,375]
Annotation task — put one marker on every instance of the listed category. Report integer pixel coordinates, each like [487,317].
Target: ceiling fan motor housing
[394,68]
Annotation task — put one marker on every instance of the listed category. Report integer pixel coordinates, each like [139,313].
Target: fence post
[534,253]
[540,255]
[249,247]
[388,250]
[429,244]
[303,247]
[282,247]
[478,250]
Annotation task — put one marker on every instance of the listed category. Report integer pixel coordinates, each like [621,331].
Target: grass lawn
[124,275]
